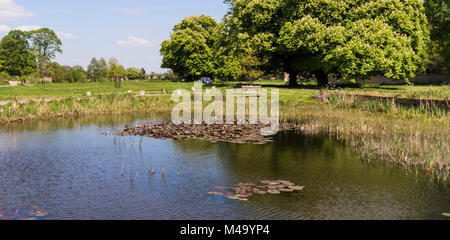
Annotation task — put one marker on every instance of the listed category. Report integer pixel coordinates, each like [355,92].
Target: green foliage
[102,68]
[116,72]
[189,51]
[133,73]
[92,70]
[346,38]
[45,45]
[79,75]
[196,49]
[55,71]
[226,63]
[250,67]
[4,76]
[97,70]
[21,53]
[142,74]
[16,55]
[438,15]
[32,78]
[76,74]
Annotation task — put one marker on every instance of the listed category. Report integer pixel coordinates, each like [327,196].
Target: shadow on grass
[330,86]
[386,88]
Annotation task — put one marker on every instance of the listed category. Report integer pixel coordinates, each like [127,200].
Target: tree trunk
[322,78]
[293,79]
[117,82]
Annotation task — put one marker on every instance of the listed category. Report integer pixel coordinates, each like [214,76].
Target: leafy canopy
[188,52]
[16,56]
[438,15]
[116,71]
[354,39]
[24,52]
[97,69]
[195,50]
[133,73]
[45,43]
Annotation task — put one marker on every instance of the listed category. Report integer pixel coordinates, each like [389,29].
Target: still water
[74,172]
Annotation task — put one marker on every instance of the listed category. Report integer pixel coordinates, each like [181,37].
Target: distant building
[13,83]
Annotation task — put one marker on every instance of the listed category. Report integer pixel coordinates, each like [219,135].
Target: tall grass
[420,142]
[74,107]
[425,109]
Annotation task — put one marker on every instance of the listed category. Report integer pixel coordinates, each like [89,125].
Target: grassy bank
[74,107]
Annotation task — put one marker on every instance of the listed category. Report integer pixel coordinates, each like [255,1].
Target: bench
[251,90]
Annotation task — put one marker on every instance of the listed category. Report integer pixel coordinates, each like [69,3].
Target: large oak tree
[196,49]
[16,55]
[353,39]
[46,45]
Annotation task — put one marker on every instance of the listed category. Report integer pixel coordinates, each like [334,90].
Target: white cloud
[9,11]
[66,36]
[26,28]
[4,29]
[130,10]
[134,42]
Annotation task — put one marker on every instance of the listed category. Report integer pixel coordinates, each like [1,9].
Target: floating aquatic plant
[243,191]
[35,213]
[239,134]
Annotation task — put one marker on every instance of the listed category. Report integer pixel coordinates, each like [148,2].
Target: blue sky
[130,31]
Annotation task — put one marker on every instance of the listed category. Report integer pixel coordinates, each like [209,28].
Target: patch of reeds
[420,142]
[74,107]
[411,109]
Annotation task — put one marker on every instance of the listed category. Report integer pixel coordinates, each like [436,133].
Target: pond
[73,171]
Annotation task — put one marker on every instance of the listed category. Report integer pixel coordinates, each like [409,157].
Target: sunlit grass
[55,90]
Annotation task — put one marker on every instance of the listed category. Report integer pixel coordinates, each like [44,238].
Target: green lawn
[80,89]
[151,86]
[404,91]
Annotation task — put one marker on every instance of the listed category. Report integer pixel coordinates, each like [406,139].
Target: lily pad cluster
[234,133]
[243,191]
[35,213]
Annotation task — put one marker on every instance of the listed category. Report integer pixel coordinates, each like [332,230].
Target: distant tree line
[26,53]
[347,39]
[97,71]
[27,56]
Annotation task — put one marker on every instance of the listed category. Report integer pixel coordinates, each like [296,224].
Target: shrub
[4,76]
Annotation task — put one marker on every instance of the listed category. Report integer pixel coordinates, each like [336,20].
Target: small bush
[4,76]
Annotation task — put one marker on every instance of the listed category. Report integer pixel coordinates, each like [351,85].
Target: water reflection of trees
[283,155]
[336,178]
[308,158]
[74,123]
